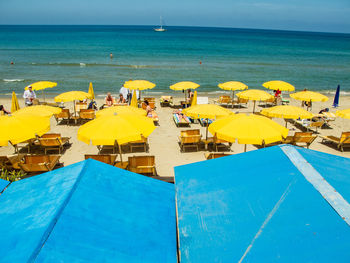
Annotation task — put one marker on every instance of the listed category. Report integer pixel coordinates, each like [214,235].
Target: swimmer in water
[111,55]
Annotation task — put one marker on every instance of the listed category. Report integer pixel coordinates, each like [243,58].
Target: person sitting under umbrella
[29,96]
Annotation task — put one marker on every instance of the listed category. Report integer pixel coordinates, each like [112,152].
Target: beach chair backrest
[304,137]
[48,142]
[191,132]
[80,106]
[317,124]
[105,158]
[191,139]
[241,100]
[36,159]
[87,114]
[136,161]
[150,99]
[51,135]
[63,114]
[345,137]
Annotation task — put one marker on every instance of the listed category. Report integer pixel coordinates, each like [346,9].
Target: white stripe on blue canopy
[339,204]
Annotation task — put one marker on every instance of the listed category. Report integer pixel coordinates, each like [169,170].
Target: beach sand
[164,140]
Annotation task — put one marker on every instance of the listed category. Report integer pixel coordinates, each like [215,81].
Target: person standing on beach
[29,95]
[126,93]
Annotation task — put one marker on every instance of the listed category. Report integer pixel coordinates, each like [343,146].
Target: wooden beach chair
[86,115]
[39,163]
[142,165]
[216,143]
[53,143]
[304,138]
[241,101]
[224,100]
[210,156]
[310,125]
[80,106]
[340,142]
[166,101]
[64,115]
[189,138]
[104,158]
[143,143]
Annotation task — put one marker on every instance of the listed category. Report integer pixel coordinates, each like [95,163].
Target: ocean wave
[13,80]
[93,65]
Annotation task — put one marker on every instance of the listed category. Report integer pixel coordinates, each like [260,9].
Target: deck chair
[104,158]
[216,142]
[64,115]
[298,138]
[224,100]
[181,120]
[54,144]
[86,114]
[210,156]
[80,106]
[241,101]
[166,101]
[341,142]
[39,163]
[189,138]
[143,143]
[142,165]
[308,125]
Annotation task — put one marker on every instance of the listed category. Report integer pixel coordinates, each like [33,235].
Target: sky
[303,15]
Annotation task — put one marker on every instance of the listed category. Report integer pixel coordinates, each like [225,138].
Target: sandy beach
[164,140]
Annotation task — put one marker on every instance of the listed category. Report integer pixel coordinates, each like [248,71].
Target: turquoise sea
[75,55]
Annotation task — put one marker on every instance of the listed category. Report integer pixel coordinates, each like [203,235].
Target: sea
[74,56]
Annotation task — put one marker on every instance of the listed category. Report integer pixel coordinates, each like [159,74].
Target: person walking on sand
[126,93]
[29,96]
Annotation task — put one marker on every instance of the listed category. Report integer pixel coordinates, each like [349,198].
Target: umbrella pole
[120,152]
[254,106]
[233,98]
[206,132]
[286,122]
[43,94]
[245,147]
[185,99]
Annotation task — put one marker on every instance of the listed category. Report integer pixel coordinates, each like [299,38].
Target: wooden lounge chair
[104,158]
[10,162]
[39,163]
[166,101]
[86,115]
[309,125]
[54,143]
[181,120]
[64,115]
[224,100]
[189,138]
[241,101]
[142,165]
[143,143]
[80,106]
[216,143]
[298,138]
[210,156]
[341,142]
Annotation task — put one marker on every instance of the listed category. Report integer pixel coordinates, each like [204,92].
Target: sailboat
[160,29]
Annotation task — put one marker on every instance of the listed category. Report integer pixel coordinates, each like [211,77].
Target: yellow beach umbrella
[194,99]
[72,96]
[206,111]
[343,113]
[91,91]
[38,110]
[184,85]
[117,128]
[17,129]
[14,103]
[41,85]
[248,129]
[309,96]
[121,110]
[233,86]
[278,85]
[139,84]
[254,95]
[133,102]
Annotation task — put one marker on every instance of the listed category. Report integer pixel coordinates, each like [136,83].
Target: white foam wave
[82,64]
[13,80]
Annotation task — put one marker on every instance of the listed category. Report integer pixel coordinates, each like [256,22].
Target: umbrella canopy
[40,85]
[287,112]
[38,110]
[14,103]
[17,129]
[184,85]
[233,86]
[121,110]
[194,99]
[133,102]
[343,113]
[248,129]
[210,111]
[91,91]
[278,85]
[71,96]
[120,128]
[309,96]
[139,84]
[254,94]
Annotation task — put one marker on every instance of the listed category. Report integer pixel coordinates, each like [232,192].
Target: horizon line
[148,25]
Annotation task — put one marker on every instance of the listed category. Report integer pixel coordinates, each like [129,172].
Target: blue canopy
[278,204]
[88,212]
[3,184]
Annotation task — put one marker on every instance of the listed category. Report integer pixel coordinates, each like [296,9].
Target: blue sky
[308,15]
